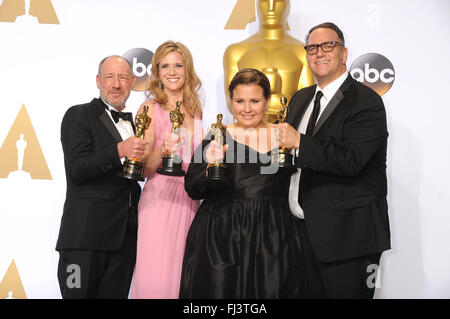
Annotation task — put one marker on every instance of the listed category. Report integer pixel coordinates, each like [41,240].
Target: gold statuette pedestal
[132,168]
[171,163]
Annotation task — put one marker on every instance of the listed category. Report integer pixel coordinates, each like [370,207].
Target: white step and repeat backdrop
[50,51]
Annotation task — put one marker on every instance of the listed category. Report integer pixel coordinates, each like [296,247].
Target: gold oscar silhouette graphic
[21,145]
[243,14]
[132,167]
[11,286]
[271,50]
[41,11]
[21,155]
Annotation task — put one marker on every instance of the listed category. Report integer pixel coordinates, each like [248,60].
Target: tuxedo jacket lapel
[331,106]
[298,106]
[106,121]
[328,110]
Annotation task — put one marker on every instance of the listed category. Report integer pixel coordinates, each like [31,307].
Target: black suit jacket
[343,183]
[98,202]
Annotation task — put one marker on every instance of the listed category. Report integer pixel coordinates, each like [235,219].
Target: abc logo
[375,71]
[141,62]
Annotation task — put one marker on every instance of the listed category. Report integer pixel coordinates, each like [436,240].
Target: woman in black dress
[243,242]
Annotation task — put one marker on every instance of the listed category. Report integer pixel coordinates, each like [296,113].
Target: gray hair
[113,56]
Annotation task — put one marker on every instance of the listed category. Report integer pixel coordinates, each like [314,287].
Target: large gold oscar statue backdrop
[271,50]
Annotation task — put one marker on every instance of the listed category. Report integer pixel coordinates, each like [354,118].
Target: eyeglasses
[326,47]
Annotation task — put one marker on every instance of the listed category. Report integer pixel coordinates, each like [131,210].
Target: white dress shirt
[328,92]
[124,127]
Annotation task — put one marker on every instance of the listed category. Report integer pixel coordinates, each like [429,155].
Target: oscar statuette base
[132,169]
[285,161]
[171,165]
[215,175]
[216,172]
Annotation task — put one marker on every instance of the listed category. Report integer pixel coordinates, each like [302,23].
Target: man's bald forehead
[117,57]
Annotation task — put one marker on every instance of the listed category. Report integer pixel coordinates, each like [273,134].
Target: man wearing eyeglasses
[339,133]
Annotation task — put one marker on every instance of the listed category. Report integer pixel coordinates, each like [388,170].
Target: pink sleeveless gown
[165,214]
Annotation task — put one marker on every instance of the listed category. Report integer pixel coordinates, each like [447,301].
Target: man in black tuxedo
[97,238]
[338,130]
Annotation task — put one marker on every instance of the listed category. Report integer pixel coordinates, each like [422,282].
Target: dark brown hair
[328,25]
[249,76]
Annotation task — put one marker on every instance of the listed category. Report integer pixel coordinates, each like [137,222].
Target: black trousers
[350,278]
[89,274]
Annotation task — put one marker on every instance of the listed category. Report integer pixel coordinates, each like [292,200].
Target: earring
[160,85]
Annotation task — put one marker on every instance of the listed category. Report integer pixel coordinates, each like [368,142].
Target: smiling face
[115,81]
[249,105]
[326,66]
[172,72]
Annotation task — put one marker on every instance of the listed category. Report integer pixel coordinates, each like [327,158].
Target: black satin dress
[243,241]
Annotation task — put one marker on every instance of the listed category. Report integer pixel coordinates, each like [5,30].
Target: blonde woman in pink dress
[165,210]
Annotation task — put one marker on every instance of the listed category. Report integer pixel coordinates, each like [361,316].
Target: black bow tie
[126,116]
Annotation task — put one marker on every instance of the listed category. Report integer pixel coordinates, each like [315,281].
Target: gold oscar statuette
[283,156]
[171,162]
[216,171]
[132,168]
